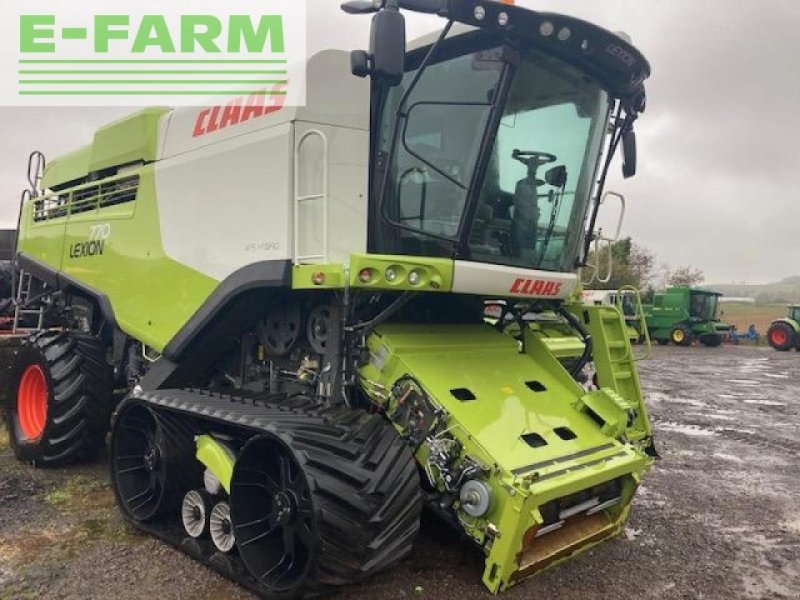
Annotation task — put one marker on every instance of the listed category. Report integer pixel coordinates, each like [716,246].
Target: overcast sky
[719,146]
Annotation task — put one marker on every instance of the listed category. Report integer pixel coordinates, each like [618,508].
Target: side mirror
[388,47]
[386,59]
[557,176]
[629,154]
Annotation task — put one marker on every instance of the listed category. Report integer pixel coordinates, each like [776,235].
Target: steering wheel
[533,158]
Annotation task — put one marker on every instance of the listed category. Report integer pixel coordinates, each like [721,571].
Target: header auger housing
[294,303]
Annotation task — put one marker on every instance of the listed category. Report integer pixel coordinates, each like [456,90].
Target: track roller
[219,524]
[194,513]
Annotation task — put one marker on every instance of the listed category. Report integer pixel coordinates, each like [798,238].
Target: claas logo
[535,287]
[239,110]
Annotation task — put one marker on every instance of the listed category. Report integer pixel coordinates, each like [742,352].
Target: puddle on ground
[764,402]
[685,429]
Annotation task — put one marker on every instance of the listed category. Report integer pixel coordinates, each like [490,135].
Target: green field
[760,315]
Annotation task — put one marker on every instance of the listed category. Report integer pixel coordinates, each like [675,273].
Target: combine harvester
[294,306]
[683,314]
[784,334]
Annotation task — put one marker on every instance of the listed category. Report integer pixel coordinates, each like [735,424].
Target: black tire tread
[80,405]
[363,477]
[366,488]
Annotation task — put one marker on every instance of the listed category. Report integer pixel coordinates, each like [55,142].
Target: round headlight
[479,13]
[547,28]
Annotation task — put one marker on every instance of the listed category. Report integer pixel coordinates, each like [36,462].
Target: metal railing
[299,200]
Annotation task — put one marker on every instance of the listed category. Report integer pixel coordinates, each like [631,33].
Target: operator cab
[489,147]
[794,313]
[704,305]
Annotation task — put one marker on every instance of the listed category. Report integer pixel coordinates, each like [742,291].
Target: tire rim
[678,336]
[272,514]
[32,397]
[778,337]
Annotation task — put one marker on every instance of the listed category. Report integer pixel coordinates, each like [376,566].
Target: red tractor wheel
[781,336]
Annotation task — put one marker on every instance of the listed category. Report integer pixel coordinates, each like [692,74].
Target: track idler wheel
[324,501]
[152,463]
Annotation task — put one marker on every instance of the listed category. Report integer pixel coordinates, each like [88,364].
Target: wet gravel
[718,517]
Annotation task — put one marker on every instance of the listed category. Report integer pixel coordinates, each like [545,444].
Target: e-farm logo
[154,52]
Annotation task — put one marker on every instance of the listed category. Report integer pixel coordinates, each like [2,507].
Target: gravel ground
[718,517]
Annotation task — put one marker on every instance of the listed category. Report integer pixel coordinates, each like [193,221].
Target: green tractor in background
[683,314]
[784,334]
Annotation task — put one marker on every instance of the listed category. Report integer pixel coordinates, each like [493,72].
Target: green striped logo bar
[149,52]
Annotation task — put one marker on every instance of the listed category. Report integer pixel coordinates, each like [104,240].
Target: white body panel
[227,205]
[498,281]
[226,179]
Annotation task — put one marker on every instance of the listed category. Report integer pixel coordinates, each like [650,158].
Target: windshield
[539,174]
[704,306]
[794,313]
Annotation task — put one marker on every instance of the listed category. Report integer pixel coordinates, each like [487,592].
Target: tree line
[634,265]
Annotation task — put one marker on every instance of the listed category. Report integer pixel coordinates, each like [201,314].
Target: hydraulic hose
[576,324]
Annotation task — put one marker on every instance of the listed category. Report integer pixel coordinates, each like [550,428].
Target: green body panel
[70,167]
[516,395]
[217,459]
[792,319]
[672,308]
[132,139]
[790,322]
[434,274]
[152,295]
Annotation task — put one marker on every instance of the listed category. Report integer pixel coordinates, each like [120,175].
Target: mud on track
[719,516]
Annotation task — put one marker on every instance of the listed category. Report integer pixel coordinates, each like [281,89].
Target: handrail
[648,353]
[298,199]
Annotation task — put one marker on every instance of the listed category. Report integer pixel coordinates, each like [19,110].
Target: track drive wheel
[681,336]
[60,399]
[324,502]
[781,336]
[152,462]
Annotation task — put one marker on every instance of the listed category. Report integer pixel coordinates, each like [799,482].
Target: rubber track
[365,483]
[80,408]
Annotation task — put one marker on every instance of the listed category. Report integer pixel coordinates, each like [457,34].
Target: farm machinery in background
[683,315]
[293,307]
[628,302]
[784,334]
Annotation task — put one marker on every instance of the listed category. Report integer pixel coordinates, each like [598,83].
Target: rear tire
[782,337]
[681,336]
[60,399]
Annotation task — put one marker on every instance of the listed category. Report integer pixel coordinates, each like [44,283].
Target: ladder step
[623,375]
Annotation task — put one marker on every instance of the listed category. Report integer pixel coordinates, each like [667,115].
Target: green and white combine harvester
[291,308]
